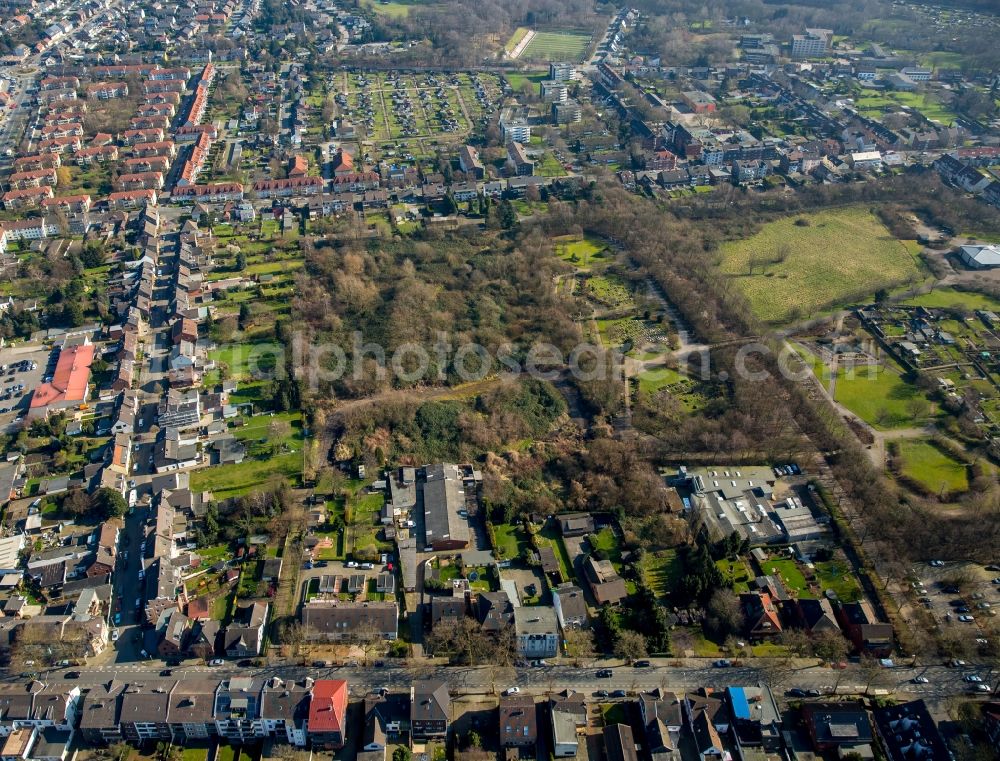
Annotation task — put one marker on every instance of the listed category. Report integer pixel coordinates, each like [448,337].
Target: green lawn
[394,9]
[655,378]
[549,166]
[194,754]
[789,572]
[245,361]
[556,46]
[517,80]
[789,271]
[737,573]
[924,462]
[879,396]
[839,576]
[874,103]
[234,480]
[950,298]
[581,252]
[660,571]
[510,540]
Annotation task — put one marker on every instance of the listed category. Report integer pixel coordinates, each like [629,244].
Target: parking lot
[15,403]
[963,601]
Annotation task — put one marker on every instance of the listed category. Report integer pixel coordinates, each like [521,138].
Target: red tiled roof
[69,381]
[327,710]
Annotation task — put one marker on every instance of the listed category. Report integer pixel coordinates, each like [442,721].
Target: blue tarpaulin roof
[738,699]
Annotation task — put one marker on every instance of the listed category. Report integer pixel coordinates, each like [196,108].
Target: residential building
[662,719]
[605,583]
[334,620]
[619,743]
[841,727]
[245,635]
[430,709]
[327,724]
[863,628]
[523,166]
[537,631]
[568,714]
[576,524]
[812,44]
[518,723]
[907,732]
[570,606]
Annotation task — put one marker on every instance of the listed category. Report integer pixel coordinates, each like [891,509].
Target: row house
[37,161]
[156,109]
[62,130]
[68,116]
[153,87]
[149,122]
[135,136]
[294,186]
[147,164]
[237,709]
[70,143]
[155,148]
[356,182]
[57,96]
[212,192]
[198,105]
[181,73]
[97,154]
[35,228]
[122,70]
[190,132]
[76,204]
[35,178]
[20,199]
[77,108]
[172,98]
[37,705]
[107,90]
[140,181]
[59,83]
[131,199]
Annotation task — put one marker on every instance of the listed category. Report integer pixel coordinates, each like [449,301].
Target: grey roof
[430,701]
[442,501]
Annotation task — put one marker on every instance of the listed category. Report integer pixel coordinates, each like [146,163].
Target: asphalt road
[943,682]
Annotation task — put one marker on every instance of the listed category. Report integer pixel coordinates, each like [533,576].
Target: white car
[966,619]
[351,564]
[216,662]
[921,680]
[974,678]
[115,634]
[512,691]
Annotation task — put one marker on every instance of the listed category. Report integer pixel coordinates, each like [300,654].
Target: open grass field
[874,103]
[557,46]
[393,9]
[949,298]
[580,252]
[879,395]
[789,271]
[510,540]
[653,379]
[518,80]
[924,462]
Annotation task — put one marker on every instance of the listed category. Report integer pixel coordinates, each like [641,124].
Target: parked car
[619,694]
[973,678]
[966,619]
[722,663]
[604,674]
[512,691]
[71,675]
[216,662]
[641,664]
[921,680]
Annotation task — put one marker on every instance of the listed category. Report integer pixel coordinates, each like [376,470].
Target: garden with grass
[930,466]
[876,103]
[800,265]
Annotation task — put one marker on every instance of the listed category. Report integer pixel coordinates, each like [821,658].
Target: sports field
[556,46]
[800,265]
